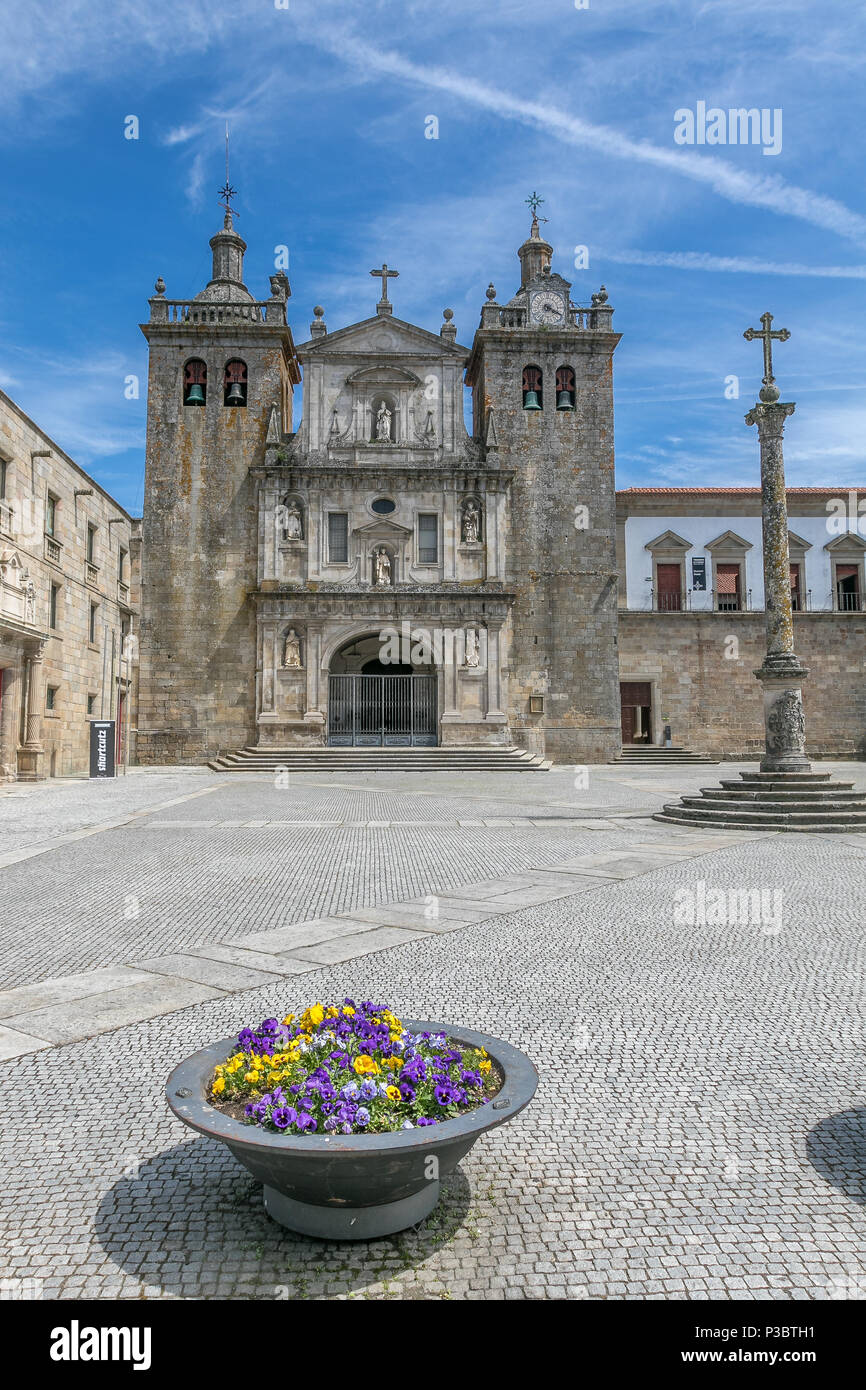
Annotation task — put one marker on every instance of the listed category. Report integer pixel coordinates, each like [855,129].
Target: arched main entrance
[376,705]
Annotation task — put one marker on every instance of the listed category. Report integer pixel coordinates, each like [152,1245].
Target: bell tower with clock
[541,373]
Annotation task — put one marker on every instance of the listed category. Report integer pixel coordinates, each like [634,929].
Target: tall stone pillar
[31,756]
[782,673]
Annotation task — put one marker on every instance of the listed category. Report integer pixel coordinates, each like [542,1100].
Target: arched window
[195,382]
[533,395]
[565,388]
[235,383]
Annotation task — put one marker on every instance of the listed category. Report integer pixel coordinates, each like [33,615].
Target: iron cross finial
[769,391]
[227,192]
[534,203]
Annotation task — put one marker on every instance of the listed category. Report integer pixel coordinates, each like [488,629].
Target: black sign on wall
[102,748]
[699,572]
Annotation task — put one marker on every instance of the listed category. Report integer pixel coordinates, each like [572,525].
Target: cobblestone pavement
[699,1126]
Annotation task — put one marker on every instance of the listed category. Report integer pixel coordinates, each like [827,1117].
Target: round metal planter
[352,1186]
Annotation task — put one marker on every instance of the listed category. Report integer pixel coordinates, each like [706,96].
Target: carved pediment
[668,541]
[848,541]
[728,542]
[381,529]
[384,374]
[382,335]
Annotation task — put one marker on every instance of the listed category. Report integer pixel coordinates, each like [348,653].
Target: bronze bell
[195,395]
[530,400]
[564,400]
[236,394]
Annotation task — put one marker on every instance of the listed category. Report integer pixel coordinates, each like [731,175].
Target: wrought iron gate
[382,711]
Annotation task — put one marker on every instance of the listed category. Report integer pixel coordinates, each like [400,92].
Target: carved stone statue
[292,650]
[382,567]
[471,522]
[292,523]
[383,423]
[30,602]
[471,647]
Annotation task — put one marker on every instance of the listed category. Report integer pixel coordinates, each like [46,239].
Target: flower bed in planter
[348,1116]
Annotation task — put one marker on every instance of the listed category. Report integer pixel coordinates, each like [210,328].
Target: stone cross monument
[782,673]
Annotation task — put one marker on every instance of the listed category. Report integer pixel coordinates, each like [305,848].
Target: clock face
[547,307]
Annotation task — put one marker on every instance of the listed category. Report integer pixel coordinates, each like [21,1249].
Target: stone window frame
[847,549]
[572,390]
[52,505]
[427,512]
[52,708]
[338,511]
[55,592]
[669,549]
[729,549]
[92,618]
[797,548]
[532,367]
[91,696]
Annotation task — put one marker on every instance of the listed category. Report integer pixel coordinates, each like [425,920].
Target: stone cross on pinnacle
[769,391]
[385,275]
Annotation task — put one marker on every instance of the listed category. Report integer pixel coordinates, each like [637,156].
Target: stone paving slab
[15,1044]
[207,971]
[339,950]
[67,988]
[256,960]
[286,939]
[100,1013]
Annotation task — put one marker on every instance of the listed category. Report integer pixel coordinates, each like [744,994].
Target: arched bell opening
[235,383]
[195,382]
[533,390]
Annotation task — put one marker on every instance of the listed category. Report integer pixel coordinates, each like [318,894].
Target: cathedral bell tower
[541,373]
[221,371]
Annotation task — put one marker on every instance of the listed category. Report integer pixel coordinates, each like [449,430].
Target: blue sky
[327,106]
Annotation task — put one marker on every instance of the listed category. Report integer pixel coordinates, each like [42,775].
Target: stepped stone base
[773,801]
[460,759]
[654,755]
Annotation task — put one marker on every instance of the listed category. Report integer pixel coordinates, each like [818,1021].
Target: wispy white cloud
[768,191]
[749,265]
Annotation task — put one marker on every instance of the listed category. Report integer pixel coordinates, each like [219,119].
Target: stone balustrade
[186,312]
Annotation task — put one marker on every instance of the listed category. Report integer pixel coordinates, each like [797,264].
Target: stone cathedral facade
[375,574]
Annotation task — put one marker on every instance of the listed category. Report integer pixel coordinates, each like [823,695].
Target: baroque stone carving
[471,647]
[293,526]
[382,568]
[292,651]
[471,522]
[786,723]
[383,423]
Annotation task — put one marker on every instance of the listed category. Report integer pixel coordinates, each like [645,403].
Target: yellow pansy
[364,1065]
[253,1077]
[289,1020]
[394,1093]
[484,1067]
[348,1011]
[219,1085]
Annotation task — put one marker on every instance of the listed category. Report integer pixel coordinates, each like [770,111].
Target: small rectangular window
[94,609]
[52,605]
[91,542]
[91,704]
[121,566]
[51,697]
[338,538]
[50,514]
[4,472]
[428,539]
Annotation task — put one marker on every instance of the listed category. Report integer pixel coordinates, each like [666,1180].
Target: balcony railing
[52,550]
[848,603]
[675,601]
[186,312]
[122,591]
[5,520]
[91,574]
[732,603]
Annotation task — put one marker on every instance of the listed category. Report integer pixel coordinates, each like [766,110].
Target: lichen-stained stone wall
[561,538]
[701,666]
[199,540]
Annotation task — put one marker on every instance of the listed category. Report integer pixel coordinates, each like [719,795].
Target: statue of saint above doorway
[292,650]
[382,568]
[383,423]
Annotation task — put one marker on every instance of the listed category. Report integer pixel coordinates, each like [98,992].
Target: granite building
[378,576]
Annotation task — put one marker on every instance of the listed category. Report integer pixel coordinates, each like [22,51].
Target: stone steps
[773,801]
[380,760]
[652,755]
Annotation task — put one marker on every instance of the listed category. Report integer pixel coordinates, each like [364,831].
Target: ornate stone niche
[471,522]
[379,389]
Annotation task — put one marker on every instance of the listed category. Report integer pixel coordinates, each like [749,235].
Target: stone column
[9,715]
[30,757]
[782,673]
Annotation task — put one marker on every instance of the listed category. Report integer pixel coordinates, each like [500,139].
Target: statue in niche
[471,647]
[471,522]
[383,423]
[382,568]
[30,602]
[292,650]
[293,527]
